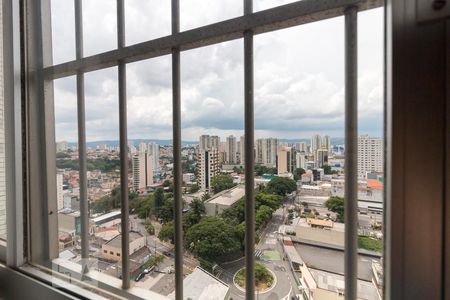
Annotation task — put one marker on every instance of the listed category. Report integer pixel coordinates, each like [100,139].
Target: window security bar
[249,158]
[245,26]
[123,149]
[176,125]
[351,154]
[81,118]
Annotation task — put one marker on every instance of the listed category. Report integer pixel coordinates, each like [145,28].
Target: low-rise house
[112,250]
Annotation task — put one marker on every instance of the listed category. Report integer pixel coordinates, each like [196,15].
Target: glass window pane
[63,31]
[266,4]
[149,88]
[146,20]
[197,13]
[99,26]
[212,106]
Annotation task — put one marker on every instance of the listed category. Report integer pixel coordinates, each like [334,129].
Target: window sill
[66,275]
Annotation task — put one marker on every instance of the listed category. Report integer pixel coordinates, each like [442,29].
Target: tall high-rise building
[242,150]
[204,142]
[153,150]
[214,142]
[300,160]
[209,167]
[266,151]
[285,160]
[370,155]
[316,142]
[300,146]
[326,143]
[142,148]
[142,171]
[321,157]
[59,191]
[231,150]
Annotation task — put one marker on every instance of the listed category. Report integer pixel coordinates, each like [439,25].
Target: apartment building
[142,171]
[231,150]
[285,160]
[209,167]
[370,155]
[266,151]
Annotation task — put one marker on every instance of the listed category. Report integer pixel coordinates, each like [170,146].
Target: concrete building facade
[142,171]
[209,167]
[231,150]
[370,155]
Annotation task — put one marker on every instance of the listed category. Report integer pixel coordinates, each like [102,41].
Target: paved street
[271,255]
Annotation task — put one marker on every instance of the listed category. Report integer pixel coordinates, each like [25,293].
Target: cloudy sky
[299,74]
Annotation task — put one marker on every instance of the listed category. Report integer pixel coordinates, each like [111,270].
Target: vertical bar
[123,149]
[84,211]
[351,154]
[176,106]
[12,131]
[249,159]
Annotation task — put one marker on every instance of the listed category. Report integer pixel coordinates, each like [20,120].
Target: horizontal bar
[280,17]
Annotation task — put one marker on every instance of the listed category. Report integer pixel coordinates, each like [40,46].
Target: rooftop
[107,216]
[117,240]
[335,282]
[229,197]
[201,285]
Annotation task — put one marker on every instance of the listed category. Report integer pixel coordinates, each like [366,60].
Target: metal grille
[245,26]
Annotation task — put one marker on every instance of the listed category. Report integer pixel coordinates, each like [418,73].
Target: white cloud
[299,75]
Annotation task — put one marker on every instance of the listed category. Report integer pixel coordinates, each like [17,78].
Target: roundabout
[265,279]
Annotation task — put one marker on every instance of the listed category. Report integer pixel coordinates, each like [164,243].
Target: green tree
[167,210]
[298,173]
[112,201]
[221,182]
[263,215]
[262,276]
[62,155]
[336,205]
[235,214]
[327,170]
[149,227]
[281,185]
[145,207]
[194,189]
[271,200]
[212,239]
[159,199]
[260,170]
[195,213]
[239,170]
[205,197]
[167,232]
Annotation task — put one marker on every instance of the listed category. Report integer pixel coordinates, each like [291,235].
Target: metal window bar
[122,81]
[246,26]
[249,159]
[351,154]
[84,206]
[176,126]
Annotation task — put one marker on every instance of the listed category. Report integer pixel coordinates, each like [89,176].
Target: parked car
[139,277]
